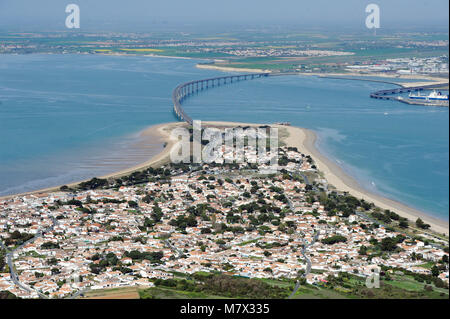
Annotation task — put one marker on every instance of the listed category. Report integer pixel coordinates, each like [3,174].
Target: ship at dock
[433,96]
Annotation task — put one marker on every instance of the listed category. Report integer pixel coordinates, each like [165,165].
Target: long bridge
[182,91]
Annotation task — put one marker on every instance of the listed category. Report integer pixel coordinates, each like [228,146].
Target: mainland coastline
[419,80]
[229,69]
[303,139]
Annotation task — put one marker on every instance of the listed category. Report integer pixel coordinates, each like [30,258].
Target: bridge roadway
[184,90]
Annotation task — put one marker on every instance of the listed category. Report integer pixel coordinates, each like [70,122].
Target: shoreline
[427,79]
[229,69]
[160,131]
[157,131]
[305,141]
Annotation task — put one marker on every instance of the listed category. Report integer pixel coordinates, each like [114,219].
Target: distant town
[405,66]
[289,51]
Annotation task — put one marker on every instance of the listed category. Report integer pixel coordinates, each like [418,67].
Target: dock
[387,94]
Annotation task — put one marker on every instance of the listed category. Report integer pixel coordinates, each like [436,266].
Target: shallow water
[62,115]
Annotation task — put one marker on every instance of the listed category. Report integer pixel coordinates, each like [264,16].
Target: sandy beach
[160,133]
[305,141]
[229,69]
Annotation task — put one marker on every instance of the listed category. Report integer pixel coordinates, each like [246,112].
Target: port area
[392,94]
[421,102]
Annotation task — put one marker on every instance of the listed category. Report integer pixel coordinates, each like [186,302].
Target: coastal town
[404,66]
[233,219]
[224,159]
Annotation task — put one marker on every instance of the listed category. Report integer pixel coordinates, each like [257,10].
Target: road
[10,254]
[78,293]
[304,177]
[15,277]
[173,248]
[308,263]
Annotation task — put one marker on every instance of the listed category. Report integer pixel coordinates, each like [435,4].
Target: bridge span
[182,91]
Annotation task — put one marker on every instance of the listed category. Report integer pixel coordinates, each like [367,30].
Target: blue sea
[61,115]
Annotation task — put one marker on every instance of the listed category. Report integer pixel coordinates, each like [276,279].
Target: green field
[167,293]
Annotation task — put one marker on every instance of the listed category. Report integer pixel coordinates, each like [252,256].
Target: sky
[98,15]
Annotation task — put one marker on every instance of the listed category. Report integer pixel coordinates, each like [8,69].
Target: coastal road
[308,263]
[304,177]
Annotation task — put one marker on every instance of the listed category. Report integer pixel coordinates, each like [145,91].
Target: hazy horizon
[141,15]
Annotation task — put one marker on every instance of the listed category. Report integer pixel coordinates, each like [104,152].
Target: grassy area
[310,292]
[248,242]
[401,286]
[408,283]
[218,285]
[34,254]
[169,293]
[427,265]
[142,50]
[353,287]
[279,283]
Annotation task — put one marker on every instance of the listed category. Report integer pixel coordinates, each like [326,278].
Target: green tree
[403,223]
[132,204]
[334,239]
[434,271]
[363,250]
[421,224]
[388,244]
[2,260]
[157,213]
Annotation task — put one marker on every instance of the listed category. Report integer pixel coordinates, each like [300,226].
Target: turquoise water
[62,114]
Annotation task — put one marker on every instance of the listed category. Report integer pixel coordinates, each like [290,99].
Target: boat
[433,96]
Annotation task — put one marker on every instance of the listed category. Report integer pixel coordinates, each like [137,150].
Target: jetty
[388,94]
